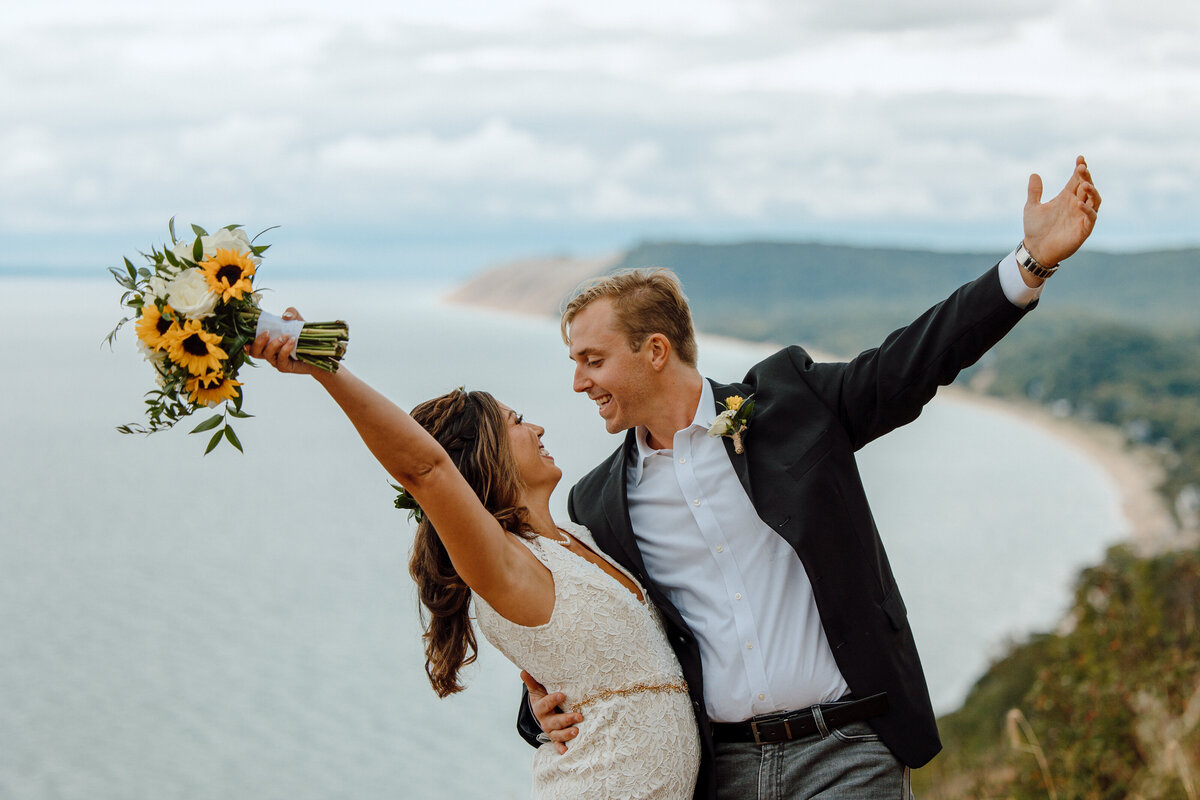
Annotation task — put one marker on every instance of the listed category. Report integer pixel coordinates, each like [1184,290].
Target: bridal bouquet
[196,307]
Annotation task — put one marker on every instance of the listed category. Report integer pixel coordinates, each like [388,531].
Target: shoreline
[1134,469]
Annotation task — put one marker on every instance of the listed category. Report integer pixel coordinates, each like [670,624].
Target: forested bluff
[1106,707]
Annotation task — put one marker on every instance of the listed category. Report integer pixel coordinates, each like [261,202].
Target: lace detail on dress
[605,649]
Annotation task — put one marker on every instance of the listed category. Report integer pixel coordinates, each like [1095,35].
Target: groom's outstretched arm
[887,386]
[540,714]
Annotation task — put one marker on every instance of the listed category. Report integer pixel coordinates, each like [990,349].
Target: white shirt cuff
[1015,289]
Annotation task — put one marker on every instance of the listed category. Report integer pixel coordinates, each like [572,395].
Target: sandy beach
[1134,469]
[538,286]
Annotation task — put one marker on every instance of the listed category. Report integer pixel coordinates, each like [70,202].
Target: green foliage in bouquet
[196,308]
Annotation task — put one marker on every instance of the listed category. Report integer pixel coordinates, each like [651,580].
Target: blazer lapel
[616,510]
[741,463]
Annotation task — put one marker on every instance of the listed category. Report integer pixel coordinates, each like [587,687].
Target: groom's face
[617,379]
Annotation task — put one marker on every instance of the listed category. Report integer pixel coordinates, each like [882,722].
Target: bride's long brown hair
[474,430]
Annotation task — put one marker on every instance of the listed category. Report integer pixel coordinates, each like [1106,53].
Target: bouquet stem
[321,344]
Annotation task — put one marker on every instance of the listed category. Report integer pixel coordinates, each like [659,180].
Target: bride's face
[534,462]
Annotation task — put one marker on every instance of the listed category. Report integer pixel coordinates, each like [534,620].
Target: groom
[766,564]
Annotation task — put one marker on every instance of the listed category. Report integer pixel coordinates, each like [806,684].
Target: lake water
[243,626]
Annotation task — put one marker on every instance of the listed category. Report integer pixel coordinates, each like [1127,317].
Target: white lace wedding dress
[607,652]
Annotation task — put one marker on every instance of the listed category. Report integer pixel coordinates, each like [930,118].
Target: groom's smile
[607,370]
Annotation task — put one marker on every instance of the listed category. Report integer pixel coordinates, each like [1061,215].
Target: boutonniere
[734,420]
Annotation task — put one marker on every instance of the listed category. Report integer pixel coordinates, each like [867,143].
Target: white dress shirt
[739,586]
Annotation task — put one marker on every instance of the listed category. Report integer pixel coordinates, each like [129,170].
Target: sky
[437,138]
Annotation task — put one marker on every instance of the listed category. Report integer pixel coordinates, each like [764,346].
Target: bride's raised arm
[491,562]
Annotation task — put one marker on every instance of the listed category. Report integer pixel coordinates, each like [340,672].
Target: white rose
[235,240]
[156,287]
[189,295]
[151,355]
[157,359]
[183,250]
[722,425]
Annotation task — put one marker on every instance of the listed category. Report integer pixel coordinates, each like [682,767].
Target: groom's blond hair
[645,302]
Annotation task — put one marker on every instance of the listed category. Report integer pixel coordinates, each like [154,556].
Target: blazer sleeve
[887,386]
[527,724]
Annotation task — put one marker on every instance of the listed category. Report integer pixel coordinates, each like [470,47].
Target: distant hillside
[530,286]
[847,298]
[844,299]
[1115,338]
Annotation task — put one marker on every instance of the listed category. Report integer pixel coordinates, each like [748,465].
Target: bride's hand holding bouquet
[278,350]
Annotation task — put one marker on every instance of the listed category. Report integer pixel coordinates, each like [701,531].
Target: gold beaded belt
[637,688]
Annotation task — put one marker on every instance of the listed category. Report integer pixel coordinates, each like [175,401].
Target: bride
[543,595]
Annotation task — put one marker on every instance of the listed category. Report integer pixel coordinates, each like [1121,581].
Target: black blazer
[799,469]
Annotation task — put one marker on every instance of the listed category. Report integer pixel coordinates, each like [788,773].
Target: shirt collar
[706,413]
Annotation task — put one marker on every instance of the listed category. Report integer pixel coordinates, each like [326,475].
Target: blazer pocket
[897,614]
[808,459]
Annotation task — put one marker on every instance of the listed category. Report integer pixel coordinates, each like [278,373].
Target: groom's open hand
[556,724]
[1056,229]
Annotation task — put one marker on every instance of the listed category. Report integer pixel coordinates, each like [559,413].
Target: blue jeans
[849,763]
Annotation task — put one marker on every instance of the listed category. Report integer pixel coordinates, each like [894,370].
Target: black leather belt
[784,727]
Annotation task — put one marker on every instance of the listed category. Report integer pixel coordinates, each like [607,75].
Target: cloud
[871,15]
[494,153]
[610,122]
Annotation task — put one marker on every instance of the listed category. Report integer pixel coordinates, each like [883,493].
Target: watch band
[1026,260]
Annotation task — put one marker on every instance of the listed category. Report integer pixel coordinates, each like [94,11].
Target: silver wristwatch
[1026,260]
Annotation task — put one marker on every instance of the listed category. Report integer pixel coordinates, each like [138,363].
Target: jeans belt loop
[819,718]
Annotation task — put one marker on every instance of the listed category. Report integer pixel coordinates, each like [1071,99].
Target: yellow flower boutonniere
[734,420]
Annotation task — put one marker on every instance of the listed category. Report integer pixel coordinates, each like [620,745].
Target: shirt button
[696,502]
[749,645]
[683,461]
[720,548]
[737,596]
[762,696]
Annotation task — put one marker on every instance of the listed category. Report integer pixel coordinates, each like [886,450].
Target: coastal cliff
[530,286]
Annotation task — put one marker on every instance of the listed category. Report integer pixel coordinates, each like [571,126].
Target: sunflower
[212,389]
[228,274]
[155,327]
[196,349]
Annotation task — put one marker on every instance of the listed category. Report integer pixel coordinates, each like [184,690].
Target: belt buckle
[787,729]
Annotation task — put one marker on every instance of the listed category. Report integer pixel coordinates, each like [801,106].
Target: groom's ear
[658,348]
